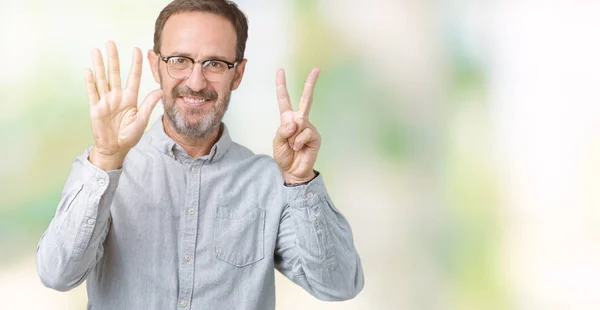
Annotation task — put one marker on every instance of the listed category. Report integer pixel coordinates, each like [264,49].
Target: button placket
[315,218]
[189,228]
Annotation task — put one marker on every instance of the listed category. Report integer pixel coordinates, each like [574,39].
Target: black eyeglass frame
[166,59]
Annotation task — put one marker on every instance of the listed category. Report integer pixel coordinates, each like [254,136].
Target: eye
[178,62]
[217,65]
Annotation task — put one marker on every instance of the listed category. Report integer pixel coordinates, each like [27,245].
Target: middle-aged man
[181,216]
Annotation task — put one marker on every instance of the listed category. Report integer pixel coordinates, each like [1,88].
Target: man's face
[195,106]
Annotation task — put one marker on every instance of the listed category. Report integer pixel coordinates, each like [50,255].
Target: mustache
[204,93]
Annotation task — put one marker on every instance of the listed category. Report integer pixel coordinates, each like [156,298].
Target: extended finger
[283,98]
[99,70]
[90,85]
[114,71]
[135,73]
[307,93]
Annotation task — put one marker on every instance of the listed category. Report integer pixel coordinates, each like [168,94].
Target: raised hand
[297,142]
[117,122]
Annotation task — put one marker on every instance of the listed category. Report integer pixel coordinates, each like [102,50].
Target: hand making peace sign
[297,142]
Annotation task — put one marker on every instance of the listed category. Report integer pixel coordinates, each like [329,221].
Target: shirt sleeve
[73,242]
[315,248]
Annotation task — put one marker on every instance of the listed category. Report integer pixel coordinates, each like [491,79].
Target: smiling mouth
[194,101]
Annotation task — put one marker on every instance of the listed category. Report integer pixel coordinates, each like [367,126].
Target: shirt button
[188,258]
[319,232]
[191,211]
[183,304]
[91,222]
[309,195]
[194,170]
[101,182]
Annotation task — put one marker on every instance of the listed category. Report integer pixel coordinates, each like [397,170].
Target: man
[181,216]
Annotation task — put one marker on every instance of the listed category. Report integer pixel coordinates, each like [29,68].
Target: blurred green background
[460,138]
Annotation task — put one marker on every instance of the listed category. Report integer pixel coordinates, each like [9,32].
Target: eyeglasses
[181,67]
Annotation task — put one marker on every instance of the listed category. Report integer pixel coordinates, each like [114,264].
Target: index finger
[135,73]
[307,93]
[283,98]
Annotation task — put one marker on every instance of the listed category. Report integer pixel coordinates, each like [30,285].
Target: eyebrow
[209,57]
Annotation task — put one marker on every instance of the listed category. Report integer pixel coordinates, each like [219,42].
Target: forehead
[199,35]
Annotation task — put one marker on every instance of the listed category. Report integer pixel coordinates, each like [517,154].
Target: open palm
[117,122]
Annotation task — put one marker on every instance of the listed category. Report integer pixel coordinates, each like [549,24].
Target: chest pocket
[239,238]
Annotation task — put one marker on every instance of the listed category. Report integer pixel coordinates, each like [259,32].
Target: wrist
[290,180]
[104,161]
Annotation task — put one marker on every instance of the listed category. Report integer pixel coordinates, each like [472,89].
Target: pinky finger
[90,85]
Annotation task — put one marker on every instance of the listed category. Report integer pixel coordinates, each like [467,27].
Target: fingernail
[290,127]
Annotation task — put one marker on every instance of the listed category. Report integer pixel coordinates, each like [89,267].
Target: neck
[195,147]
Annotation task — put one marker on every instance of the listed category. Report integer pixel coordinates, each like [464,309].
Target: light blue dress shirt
[171,232]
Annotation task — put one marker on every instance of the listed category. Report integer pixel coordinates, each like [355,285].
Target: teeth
[192,100]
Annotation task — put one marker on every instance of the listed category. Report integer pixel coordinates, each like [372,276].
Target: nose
[196,81]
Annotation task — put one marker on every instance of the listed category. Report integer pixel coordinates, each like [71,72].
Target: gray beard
[202,128]
[207,124]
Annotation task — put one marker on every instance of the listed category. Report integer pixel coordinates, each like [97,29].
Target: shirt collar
[164,143]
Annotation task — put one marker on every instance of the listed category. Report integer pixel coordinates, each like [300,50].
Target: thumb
[283,133]
[149,103]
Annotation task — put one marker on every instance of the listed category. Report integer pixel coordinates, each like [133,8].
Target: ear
[153,61]
[239,73]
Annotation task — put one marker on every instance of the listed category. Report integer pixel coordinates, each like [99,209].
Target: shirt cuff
[305,194]
[100,183]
